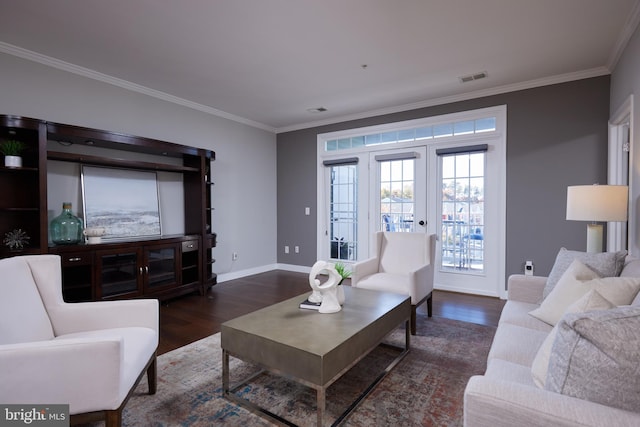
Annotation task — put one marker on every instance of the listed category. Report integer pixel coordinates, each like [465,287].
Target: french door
[442,176]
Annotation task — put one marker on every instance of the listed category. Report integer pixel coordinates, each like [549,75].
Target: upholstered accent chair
[88,355]
[403,264]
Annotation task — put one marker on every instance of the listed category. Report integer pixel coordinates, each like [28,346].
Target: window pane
[406,135]
[462,220]
[332,145]
[424,133]
[389,137]
[486,125]
[448,166]
[372,139]
[462,128]
[442,130]
[357,141]
[343,214]
[476,164]
[344,144]
[397,195]
[462,165]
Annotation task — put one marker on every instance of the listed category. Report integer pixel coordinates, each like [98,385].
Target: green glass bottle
[66,228]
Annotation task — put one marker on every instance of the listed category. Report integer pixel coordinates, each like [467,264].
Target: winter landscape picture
[124,202]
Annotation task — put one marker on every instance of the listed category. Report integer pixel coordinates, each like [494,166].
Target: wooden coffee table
[311,348]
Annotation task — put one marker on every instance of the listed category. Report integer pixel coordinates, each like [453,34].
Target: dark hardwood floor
[192,317]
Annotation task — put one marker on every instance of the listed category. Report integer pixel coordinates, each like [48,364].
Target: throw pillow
[592,300]
[595,357]
[606,264]
[572,286]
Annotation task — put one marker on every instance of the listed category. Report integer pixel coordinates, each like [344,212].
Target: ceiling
[267,62]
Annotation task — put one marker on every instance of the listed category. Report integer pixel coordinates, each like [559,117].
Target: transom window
[441,130]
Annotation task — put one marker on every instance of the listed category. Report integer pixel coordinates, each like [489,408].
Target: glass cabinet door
[160,266]
[118,273]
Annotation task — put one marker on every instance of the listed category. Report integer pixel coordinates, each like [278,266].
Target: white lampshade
[597,203]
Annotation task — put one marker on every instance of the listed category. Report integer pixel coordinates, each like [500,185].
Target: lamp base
[594,238]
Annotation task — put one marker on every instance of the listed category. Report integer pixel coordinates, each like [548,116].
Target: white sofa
[506,394]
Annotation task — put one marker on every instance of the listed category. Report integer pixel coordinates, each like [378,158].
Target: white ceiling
[266,62]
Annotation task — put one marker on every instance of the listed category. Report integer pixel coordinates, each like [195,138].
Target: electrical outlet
[286,249]
[234,256]
[296,249]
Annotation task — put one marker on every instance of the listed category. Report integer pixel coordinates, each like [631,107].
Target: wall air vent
[472,77]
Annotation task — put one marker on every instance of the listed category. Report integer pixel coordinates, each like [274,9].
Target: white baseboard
[262,269]
[465,291]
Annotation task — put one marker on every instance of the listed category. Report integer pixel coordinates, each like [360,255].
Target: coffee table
[311,348]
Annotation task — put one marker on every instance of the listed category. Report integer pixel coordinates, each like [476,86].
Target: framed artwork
[123,201]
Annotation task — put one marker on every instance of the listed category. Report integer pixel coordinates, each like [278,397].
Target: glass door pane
[397,189]
[462,209]
[343,212]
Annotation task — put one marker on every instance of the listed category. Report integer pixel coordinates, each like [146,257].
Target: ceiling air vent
[472,77]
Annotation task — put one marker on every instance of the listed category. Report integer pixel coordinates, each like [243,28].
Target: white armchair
[88,355]
[403,264]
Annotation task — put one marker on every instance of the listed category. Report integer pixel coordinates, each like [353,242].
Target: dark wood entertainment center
[155,267]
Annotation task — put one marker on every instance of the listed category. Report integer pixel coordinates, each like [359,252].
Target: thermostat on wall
[528,268]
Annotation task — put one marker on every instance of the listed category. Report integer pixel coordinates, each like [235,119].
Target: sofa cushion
[576,282]
[503,370]
[23,317]
[606,264]
[631,268]
[606,339]
[517,313]
[592,300]
[516,344]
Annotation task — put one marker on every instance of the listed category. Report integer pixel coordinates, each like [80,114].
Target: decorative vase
[340,292]
[13,161]
[66,228]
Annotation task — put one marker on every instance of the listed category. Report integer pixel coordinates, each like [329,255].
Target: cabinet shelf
[121,163]
[18,170]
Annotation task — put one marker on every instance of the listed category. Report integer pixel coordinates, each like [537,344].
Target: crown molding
[91,74]
[625,35]
[561,78]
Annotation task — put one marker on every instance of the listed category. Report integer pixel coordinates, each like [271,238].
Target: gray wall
[556,136]
[244,171]
[625,81]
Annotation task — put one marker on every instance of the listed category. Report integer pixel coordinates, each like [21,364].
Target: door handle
[421,222]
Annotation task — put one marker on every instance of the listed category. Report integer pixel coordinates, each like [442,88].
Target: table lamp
[597,203]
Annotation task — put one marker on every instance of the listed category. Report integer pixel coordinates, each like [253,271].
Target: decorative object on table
[597,203]
[344,274]
[16,239]
[94,234]
[66,228]
[327,290]
[125,202]
[11,149]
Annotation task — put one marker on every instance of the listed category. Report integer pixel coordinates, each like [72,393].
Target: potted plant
[342,271]
[11,148]
[345,274]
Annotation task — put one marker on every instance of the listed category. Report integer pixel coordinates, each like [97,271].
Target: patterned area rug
[425,389]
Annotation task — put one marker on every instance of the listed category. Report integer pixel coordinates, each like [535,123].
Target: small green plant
[342,270]
[12,147]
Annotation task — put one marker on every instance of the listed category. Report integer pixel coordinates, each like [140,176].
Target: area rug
[425,389]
